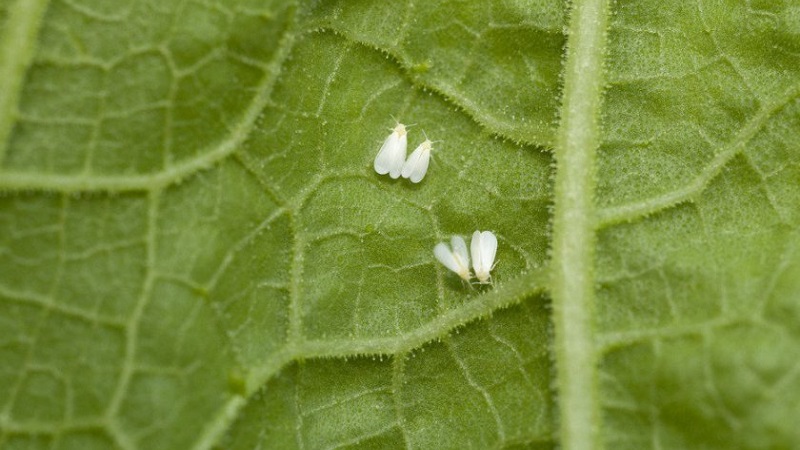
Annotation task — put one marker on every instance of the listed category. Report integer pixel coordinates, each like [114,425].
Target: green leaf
[195,251]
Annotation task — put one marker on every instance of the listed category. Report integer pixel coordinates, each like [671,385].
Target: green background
[195,251]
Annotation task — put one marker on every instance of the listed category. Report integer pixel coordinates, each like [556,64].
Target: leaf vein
[17,49]
[689,192]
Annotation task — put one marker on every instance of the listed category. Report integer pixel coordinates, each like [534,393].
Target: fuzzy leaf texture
[196,253]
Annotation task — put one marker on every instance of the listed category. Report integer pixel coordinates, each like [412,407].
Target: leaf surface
[196,253]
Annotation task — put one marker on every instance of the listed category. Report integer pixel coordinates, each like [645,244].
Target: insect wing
[421,166]
[483,248]
[385,158]
[488,250]
[446,257]
[417,164]
[398,157]
[408,167]
[460,252]
[476,249]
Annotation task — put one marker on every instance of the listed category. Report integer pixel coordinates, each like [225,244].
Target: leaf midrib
[574,240]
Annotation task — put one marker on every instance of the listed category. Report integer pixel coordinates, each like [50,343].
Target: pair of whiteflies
[391,157]
[483,249]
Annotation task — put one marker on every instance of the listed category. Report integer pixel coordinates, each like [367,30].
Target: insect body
[392,155]
[416,165]
[456,259]
[483,248]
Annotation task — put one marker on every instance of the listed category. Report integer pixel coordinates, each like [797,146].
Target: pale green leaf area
[195,251]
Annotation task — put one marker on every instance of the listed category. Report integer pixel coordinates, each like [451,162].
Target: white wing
[488,250]
[417,164]
[461,254]
[483,248]
[408,167]
[384,162]
[398,157]
[446,257]
[476,250]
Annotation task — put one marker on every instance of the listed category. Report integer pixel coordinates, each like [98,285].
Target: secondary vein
[17,47]
[574,238]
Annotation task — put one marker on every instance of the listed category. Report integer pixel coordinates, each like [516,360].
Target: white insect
[483,248]
[392,154]
[456,259]
[417,164]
